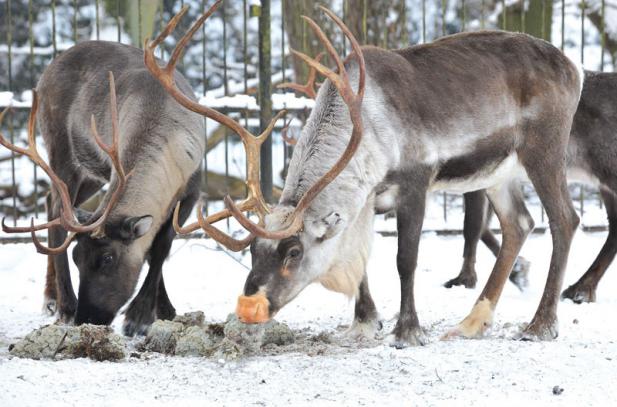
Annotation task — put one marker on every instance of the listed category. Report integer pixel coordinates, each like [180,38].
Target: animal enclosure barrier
[222,66]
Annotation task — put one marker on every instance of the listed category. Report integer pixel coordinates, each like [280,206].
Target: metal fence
[71,21]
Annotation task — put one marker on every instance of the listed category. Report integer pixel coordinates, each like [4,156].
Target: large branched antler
[252,144]
[340,80]
[309,87]
[67,218]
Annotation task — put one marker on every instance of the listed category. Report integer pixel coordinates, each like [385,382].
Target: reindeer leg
[584,290]
[366,321]
[152,302]
[516,223]
[409,218]
[50,295]
[476,206]
[519,273]
[549,178]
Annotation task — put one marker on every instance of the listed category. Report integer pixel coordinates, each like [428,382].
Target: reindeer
[469,111]
[591,159]
[153,139]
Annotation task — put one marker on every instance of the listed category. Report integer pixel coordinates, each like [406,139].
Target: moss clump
[67,342]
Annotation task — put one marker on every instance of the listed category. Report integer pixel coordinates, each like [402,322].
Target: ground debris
[68,342]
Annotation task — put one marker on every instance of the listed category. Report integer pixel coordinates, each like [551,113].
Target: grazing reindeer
[155,140]
[469,111]
[590,158]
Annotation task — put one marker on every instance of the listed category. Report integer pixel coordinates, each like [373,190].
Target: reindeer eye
[107,260]
[294,252]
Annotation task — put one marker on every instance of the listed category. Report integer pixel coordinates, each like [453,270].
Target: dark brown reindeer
[466,112]
[592,150]
[155,140]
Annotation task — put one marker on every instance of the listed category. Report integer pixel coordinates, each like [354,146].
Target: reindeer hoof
[466,280]
[415,336]
[139,316]
[367,330]
[520,273]
[50,306]
[580,293]
[539,331]
[475,324]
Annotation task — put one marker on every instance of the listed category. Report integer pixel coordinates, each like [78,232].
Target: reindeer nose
[254,309]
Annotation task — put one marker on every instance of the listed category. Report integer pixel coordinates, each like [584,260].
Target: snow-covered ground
[495,370]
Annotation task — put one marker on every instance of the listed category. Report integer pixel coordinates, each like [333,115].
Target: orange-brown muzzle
[253,309]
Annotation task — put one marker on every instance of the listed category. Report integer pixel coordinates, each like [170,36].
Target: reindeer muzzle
[254,309]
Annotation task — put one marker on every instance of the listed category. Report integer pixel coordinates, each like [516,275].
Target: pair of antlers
[252,144]
[68,219]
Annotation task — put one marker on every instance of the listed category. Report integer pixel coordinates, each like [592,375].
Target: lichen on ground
[187,335]
[68,342]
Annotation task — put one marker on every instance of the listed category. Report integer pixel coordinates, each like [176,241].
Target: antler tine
[309,87]
[224,239]
[329,47]
[341,81]
[289,140]
[40,248]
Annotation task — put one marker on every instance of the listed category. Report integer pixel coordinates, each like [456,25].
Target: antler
[292,141]
[67,218]
[353,100]
[309,87]
[252,144]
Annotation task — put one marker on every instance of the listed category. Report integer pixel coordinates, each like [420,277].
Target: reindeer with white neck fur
[469,111]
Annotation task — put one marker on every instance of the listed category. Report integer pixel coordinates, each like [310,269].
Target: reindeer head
[107,262]
[293,242]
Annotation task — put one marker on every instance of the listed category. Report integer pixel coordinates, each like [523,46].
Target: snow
[493,370]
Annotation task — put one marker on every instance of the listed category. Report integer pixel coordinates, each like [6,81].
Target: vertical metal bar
[162,6]
[523,16]
[563,23]
[405,30]
[543,19]
[286,150]
[98,23]
[226,90]
[345,12]
[464,15]
[32,85]
[581,198]
[364,17]
[482,14]
[53,27]
[445,207]
[118,19]
[9,40]
[265,97]
[204,81]
[602,37]
[583,6]
[245,63]
[75,21]
[443,17]
[139,22]
[504,19]
[424,20]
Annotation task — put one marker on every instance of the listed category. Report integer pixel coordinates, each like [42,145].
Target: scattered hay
[68,342]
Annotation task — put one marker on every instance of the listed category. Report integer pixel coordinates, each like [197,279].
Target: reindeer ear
[326,227]
[136,226]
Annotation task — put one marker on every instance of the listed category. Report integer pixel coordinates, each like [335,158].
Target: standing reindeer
[154,140]
[469,111]
[590,158]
